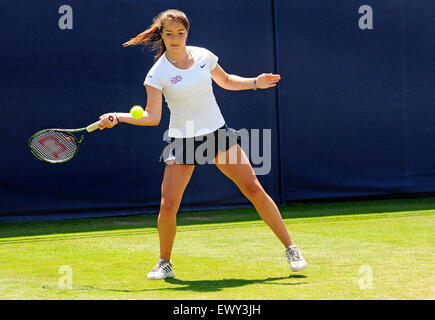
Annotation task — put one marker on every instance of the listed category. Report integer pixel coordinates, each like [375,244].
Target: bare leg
[243,175]
[175,180]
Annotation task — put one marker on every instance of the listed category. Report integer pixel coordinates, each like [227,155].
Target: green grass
[229,254]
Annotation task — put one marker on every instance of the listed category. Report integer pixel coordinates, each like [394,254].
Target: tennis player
[183,74]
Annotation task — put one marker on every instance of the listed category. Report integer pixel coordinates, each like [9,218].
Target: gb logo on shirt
[176,79]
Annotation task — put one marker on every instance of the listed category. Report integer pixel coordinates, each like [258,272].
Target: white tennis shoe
[295,258]
[163,269]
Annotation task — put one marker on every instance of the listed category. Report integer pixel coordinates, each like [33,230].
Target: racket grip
[94,126]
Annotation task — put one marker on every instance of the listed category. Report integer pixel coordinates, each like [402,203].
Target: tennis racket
[59,145]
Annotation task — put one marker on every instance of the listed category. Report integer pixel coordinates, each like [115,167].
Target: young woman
[183,74]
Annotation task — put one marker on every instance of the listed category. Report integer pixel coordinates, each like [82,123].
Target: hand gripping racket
[58,145]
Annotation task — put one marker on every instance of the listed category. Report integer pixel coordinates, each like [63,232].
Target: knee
[254,189]
[168,208]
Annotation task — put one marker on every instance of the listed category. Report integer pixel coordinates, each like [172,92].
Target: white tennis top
[188,93]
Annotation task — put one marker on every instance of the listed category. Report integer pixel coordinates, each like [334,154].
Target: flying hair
[153,35]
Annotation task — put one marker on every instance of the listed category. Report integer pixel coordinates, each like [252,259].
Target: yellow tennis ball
[136,112]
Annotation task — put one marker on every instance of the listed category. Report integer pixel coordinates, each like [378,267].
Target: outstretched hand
[267,80]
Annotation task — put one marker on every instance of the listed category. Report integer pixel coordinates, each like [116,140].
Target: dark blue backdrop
[356,106]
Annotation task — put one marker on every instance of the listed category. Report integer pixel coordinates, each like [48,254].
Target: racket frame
[69,132]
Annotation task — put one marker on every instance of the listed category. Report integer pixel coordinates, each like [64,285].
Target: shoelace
[295,255]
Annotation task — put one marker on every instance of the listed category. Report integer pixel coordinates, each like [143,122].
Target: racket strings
[53,146]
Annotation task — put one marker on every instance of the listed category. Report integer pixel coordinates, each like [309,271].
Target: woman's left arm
[233,82]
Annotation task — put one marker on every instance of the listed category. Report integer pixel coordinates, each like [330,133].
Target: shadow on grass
[128,225]
[217,285]
[208,285]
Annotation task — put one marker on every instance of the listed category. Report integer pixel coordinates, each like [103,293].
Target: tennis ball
[136,112]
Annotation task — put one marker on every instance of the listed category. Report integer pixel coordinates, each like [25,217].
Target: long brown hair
[152,35]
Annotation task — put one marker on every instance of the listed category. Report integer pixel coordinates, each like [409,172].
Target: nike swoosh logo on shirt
[202,65]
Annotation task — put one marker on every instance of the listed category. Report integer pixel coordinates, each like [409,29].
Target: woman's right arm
[151,115]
